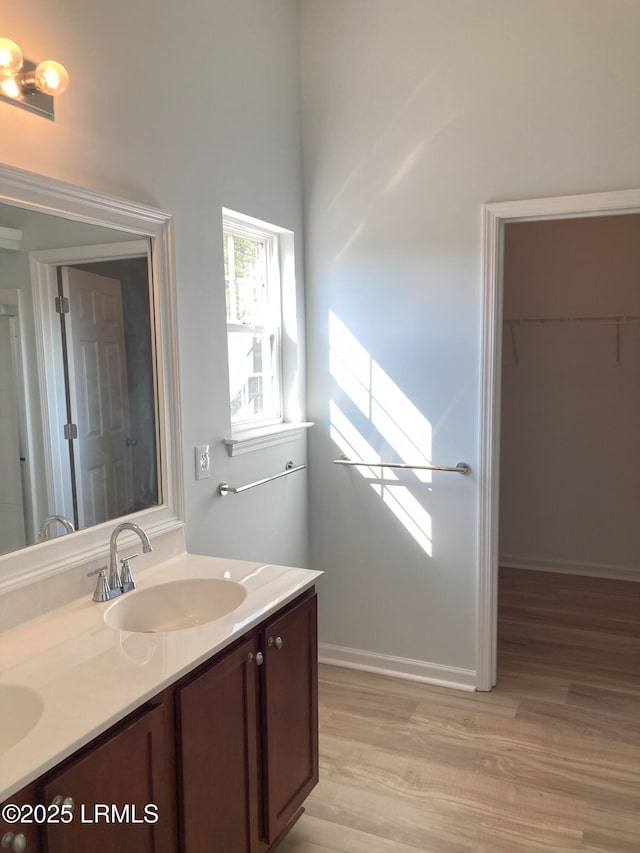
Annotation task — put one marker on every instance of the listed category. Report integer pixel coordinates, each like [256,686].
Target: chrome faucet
[115,585]
[55,519]
[126,582]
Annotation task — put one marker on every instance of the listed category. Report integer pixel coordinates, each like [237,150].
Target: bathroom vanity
[214,748]
[126,728]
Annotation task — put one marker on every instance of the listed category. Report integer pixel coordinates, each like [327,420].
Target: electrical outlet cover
[203,461]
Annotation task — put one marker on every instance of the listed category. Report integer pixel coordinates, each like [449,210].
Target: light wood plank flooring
[548,761]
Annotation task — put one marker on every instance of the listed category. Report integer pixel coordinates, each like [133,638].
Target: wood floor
[548,761]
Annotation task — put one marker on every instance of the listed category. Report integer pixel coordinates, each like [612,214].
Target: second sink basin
[175,606]
[21,710]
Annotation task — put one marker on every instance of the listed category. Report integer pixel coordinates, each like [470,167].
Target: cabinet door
[119,793]
[24,832]
[218,756]
[290,709]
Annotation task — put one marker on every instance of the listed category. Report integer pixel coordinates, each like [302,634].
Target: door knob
[14,843]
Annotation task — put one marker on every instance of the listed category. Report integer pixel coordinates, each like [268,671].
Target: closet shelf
[617,320]
[597,318]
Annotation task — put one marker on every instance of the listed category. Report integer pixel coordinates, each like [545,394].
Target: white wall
[570,461]
[189,107]
[415,113]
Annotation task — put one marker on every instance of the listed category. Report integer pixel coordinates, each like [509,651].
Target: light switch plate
[203,461]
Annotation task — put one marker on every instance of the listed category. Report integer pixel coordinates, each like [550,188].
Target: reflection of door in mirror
[98,396]
[95,309]
[109,389]
[13,515]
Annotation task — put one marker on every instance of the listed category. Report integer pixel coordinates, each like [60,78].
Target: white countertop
[85,676]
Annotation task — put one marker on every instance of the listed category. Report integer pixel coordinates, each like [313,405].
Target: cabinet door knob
[258,658]
[14,843]
[65,803]
[275,643]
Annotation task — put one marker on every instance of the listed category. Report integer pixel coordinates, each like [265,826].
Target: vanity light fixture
[27,84]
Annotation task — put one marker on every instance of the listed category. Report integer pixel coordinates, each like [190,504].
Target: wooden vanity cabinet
[120,792]
[247,738]
[218,759]
[225,757]
[290,713]
[24,834]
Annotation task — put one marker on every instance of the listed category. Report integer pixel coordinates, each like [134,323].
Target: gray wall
[220,127]
[417,112]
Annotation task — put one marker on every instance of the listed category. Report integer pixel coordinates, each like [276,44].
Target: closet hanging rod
[460,468]
[597,318]
[225,488]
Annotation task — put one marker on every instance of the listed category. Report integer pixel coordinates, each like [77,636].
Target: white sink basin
[21,710]
[175,606]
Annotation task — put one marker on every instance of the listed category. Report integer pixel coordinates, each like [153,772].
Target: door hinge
[70,431]
[62,305]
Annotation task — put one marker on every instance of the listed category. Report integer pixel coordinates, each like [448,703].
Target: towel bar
[460,468]
[225,488]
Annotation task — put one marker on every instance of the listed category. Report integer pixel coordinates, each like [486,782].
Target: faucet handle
[125,576]
[102,590]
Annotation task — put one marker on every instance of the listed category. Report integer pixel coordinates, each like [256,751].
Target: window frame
[249,436]
[270,237]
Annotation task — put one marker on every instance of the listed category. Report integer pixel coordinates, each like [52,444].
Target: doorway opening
[498,218]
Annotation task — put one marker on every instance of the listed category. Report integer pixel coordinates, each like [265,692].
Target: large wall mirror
[88,379]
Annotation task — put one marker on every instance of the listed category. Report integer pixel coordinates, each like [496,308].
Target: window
[254,323]
[265,334]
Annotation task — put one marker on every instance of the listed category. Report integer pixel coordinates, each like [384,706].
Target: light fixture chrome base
[35,102]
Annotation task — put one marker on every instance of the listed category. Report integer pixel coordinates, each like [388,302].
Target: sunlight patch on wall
[357,231]
[350,365]
[406,166]
[353,444]
[399,422]
[411,513]
[394,420]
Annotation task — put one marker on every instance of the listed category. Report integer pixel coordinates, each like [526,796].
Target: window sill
[257,439]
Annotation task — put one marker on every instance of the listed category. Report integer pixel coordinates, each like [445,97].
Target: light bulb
[10,87]
[10,56]
[51,77]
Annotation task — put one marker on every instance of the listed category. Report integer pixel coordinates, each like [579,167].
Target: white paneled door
[99,396]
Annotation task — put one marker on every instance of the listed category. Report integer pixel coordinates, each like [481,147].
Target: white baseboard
[567,567]
[411,670]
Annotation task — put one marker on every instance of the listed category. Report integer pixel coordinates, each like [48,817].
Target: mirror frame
[49,195]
